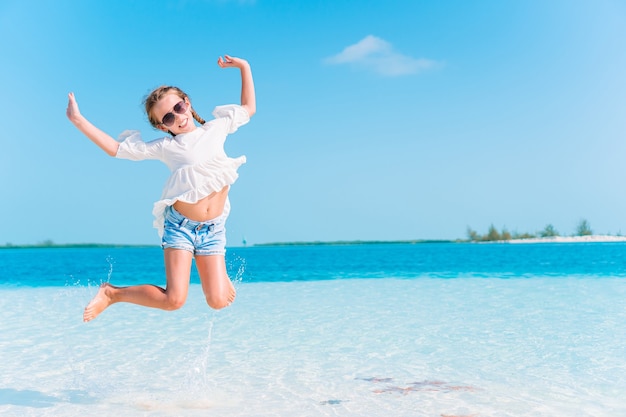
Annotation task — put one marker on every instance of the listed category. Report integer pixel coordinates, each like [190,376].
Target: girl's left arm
[248,97]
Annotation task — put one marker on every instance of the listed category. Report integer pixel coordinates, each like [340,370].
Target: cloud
[378,55]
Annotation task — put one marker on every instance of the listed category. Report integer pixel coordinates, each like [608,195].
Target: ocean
[429,329]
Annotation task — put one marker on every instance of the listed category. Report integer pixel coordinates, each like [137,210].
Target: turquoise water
[82,266]
[362,330]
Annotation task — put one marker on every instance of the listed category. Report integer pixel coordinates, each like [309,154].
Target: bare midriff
[208,208]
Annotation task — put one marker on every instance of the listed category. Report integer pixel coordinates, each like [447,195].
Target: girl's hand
[231,62]
[72,112]
[248,98]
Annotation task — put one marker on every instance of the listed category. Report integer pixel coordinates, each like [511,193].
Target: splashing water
[197,378]
[240,264]
[111,261]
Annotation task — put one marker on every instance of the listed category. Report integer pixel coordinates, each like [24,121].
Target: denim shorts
[199,238]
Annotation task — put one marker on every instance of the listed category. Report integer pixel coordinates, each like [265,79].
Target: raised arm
[97,136]
[248,98]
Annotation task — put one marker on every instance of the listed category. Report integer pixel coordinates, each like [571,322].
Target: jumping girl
[192,211]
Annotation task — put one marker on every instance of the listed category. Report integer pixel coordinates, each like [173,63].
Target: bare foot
[232,294]
[97,305]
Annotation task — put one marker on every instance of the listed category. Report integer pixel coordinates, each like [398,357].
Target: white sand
[570,239]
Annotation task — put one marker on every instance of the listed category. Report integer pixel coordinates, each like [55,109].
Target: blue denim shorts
[199,238]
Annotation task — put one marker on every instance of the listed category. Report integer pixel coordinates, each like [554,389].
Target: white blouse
[198,163]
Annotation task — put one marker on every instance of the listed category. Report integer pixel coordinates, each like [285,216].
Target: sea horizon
[593,238]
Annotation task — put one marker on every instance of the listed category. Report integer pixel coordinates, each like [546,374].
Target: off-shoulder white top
[198,163]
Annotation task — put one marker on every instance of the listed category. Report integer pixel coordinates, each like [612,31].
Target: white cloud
[378,55]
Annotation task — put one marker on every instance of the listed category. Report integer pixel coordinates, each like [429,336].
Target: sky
[376,120]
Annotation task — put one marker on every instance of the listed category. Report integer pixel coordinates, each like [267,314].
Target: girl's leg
[218,289]
[177,270]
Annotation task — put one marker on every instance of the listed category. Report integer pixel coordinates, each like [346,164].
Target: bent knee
[174,303]
[217,303]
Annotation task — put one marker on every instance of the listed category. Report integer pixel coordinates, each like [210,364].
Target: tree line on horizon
[493,234]
[582,229]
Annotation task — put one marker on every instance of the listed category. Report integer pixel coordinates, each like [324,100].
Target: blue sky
[377,120]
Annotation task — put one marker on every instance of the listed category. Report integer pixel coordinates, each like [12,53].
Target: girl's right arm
[97,136]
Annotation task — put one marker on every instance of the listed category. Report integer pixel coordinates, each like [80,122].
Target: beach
[572,239]
[492,330]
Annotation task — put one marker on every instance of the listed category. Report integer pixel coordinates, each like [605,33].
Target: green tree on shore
[472,235]
[583,228]
[549,231]
[492,234]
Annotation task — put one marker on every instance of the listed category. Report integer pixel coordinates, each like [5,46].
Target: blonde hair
[151,100]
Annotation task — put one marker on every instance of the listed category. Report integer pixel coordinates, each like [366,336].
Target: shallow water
[476,344]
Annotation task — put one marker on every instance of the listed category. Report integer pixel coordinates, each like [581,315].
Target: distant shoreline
[537,240]
[312,243]
[571,239]
[75,246]
[358,242]
[534,240]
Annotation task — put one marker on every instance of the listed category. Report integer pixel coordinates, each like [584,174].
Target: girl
[194,206]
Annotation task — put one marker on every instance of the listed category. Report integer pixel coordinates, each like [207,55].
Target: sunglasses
[170,118]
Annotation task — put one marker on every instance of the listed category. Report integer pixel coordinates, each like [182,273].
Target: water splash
[111,261]
[72,281]
[198,380]
[238,264]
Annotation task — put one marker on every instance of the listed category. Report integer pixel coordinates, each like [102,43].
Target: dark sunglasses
[170,118]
